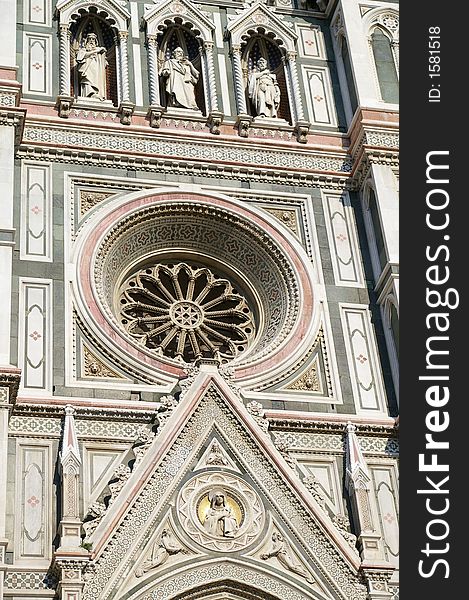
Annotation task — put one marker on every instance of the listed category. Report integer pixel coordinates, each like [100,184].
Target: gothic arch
[374,228]
[383,23]
[184,17]
[221,580]
[260,21]
[112,19]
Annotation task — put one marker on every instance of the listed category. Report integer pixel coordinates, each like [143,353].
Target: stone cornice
[330,424]
[374,138]
[324,161]
[114,413]
[10,378]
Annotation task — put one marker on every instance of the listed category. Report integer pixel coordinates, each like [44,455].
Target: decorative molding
[30,580]
[35,334]
[94,368]
[151,153]
[319,96]
[33,517]
[37,64]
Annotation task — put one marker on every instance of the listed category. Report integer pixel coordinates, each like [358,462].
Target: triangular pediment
[259,16]
[259,496]
[116,10]
[175,11]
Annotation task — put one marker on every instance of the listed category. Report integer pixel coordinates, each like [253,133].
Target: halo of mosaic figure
[219,520]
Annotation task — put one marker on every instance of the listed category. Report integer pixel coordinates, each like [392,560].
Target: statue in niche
[264,91]
[181,78]
[219,520]
[216,457]
[91,61]
[162,550]
[281,550]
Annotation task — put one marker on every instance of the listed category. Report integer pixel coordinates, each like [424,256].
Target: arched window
[82,31]
[261,47]
[181,37]
[377,230]
[385,66]
[345,54]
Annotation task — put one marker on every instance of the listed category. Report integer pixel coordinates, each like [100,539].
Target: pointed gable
[165,477]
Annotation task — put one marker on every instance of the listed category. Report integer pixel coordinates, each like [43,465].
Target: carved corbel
[243,123]
[64,105]
[125,112]
[301,131]
[215,119]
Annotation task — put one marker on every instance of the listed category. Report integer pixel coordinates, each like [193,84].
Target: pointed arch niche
[382,28]
[260,32]
[108,21]
[180,24]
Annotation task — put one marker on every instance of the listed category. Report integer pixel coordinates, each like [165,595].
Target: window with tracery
[185,311]
[385,65]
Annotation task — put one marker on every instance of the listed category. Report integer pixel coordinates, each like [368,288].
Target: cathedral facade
[199,265]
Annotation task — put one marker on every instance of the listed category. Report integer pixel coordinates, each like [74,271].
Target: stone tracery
[186,312]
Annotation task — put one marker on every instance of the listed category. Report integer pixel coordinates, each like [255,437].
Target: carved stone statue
[219,520]
[216,457]
[181,77]
[281,550]
[91,61]
[162,550]
[264,91]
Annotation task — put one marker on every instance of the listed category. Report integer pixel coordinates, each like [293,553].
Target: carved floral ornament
[171,277]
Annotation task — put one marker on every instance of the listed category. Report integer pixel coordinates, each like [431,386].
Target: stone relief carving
[308,382]
[181,78]
[264,90]
[95,514]
[142,443]
[219,519]
[280,549]
[215,457]
[93,367]
[220,511]
[282,447]
[165,547]
[343,525]
[121,474]
[167,404]
[91,60]
[313,485]
[121,553]
[257,411]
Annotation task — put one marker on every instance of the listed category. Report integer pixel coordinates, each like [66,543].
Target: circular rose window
[167,278]
[186,312]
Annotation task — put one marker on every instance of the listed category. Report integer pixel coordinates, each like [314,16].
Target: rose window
[186,312]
